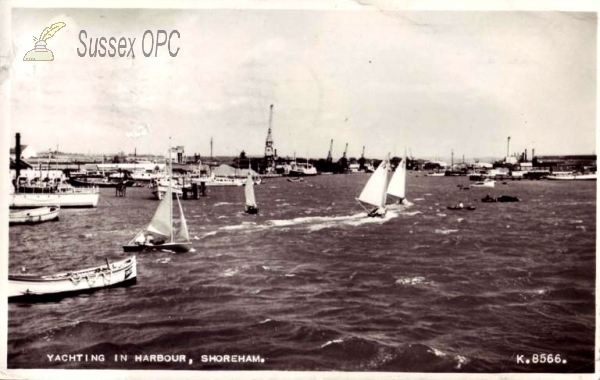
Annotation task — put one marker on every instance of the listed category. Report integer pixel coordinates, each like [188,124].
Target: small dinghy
[374,194]
[508,198]
[251,206]
[109,275]
[502,198]
[36,215]
[460,206]
[159,235]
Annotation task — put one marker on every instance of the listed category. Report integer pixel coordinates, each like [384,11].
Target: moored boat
[65,197]
[112,274]
[160,191]
[502,198]
[461,207]
[573,177]
[102,182]
[302,170]
[507,198]
[36,215]
[484,183]
[225,181]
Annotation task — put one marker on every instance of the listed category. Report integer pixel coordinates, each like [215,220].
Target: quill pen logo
[40,52]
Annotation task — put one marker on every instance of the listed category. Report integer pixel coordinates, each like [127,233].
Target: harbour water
[311,284]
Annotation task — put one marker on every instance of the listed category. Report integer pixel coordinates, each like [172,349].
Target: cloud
[139,131]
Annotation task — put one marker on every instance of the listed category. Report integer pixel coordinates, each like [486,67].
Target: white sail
[397,186]
[183,230]
[374,192]
[250,199]
[161,222]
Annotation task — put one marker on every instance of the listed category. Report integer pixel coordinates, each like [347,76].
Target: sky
[424,82]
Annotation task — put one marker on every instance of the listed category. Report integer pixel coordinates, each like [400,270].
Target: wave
[444,231]
[332,342]
[244,225]
[230,272]
[411,281]
[316,223]
[222,204]
[458,359]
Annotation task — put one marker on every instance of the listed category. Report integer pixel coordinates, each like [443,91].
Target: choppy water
[311,284]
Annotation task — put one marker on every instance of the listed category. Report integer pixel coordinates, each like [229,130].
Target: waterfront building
[566,163]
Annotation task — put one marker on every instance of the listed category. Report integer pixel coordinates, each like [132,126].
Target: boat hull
[459,208]
[33,216]
[113,184]
[302,173]
[484,184]
[251,210]
[160,191]
[507,198]
[175,247]
[225,182]
[377,213]
[55,199]
[119,273]
[573,177]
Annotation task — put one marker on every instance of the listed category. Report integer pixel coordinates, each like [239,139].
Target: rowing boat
[37,215]
[112,274]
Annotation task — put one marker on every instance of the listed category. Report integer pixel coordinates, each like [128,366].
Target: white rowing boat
[117,273]
[36,215]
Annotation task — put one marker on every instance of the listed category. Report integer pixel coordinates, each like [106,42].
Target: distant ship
[302,169]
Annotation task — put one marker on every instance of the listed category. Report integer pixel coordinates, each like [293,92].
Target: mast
[169,191]
[329,158]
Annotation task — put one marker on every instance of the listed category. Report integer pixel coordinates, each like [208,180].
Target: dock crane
[343,162]
[329,158]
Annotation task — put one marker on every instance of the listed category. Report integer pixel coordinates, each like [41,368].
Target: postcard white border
[335,5]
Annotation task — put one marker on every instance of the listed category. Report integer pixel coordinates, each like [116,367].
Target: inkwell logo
[40,52]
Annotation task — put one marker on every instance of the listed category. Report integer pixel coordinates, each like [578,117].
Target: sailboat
[251,207]
[374,192]
[397,186]
[159,234]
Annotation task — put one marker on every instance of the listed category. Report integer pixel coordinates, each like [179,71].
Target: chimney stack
[18,154]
